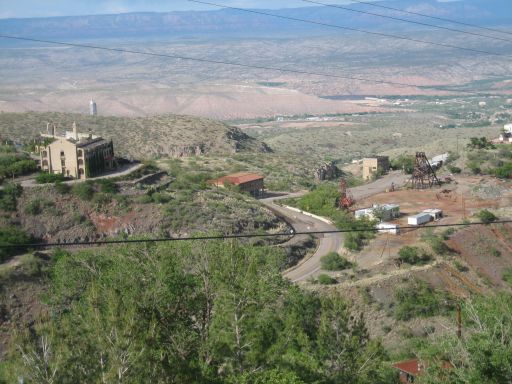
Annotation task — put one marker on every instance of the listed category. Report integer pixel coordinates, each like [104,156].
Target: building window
[80,153]
[45,163]
[63,163]
[80,162]
[61,153]
[44,153]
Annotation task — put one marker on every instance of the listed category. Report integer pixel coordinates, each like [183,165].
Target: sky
[46,8]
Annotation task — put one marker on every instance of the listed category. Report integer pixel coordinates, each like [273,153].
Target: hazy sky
[43,8]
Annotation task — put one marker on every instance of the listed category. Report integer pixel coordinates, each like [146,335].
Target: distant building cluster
[74,154]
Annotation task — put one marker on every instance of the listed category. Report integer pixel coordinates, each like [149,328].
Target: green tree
[333,261]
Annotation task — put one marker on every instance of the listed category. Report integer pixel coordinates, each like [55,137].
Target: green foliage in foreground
[483,355]
[403,162]
[334,262]
[196,312]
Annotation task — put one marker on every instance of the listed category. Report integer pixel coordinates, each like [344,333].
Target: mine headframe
[423,175]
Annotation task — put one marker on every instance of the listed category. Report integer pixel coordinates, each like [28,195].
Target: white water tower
[93,109]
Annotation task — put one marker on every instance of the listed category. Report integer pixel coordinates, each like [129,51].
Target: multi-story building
[375,165]
[75,154]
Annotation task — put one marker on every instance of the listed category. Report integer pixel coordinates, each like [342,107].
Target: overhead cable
[381,34]
[239,236]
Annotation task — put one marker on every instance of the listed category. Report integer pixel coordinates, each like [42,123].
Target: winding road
[304,222]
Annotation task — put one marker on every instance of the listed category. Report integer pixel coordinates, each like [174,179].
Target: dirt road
[302,222]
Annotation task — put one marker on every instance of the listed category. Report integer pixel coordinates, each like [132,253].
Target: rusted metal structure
[345,200]
[423,175]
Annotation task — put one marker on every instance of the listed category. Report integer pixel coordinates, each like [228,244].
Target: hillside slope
[140,138]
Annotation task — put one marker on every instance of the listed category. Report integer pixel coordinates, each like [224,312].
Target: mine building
[252,183]
[76,155]
[382,212]
[375,165]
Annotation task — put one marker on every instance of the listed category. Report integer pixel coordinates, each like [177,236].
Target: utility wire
[231,63]
[377,4]
[348,28]
[407,21]
[227,237]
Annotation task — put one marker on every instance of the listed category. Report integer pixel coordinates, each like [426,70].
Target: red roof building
[409,370]
[246,181]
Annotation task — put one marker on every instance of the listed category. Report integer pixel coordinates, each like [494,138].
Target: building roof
[422,214]
[91,144]
[412,367]
[238,178]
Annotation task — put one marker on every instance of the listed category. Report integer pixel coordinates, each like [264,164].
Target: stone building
[375,165]
[76,155]
[247,182]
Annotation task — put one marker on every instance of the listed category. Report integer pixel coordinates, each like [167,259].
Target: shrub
[108,186]
[413,255]
[62,188]
[9,196]
[334,262]
[417,299]
[46,178]
[10,235]
[487,217]
[326,280]
[403,162]
[460,267]
[507,276]
[454,169]
[83,191]
[144,199]
[33,207]
[101,199]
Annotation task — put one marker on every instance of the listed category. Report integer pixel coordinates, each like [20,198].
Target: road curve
[331,242]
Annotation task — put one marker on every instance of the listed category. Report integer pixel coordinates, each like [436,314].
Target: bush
[108,186]
[46,178]
[101,199]
[34,207]
[413,255]
[487,217]
[417,299]
[334,262]
[62,188]
[507,276]
[144,199]
[84,191]
[326,280]
[11,236]
[9,196]
[403,162]
[454,169]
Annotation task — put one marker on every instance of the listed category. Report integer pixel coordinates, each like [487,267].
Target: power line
[349,28]
[231,63]
[376,4]
[407,21]
[228,237]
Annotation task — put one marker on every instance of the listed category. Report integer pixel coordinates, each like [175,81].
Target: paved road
[125,170]
[330,242]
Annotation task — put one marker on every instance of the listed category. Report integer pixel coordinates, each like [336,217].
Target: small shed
[435,214]
[394,229]
[419,219]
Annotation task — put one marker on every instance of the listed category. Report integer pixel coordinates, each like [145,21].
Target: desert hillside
[141,138]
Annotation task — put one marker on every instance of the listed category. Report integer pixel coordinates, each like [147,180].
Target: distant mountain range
[234,23]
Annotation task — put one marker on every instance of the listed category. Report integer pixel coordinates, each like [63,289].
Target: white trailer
[388,228]
[419,219]
[435,214]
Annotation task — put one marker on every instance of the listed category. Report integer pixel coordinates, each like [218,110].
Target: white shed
[435,214]
[419,219]
[388,228]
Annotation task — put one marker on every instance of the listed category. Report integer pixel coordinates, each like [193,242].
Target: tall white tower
[93,109]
